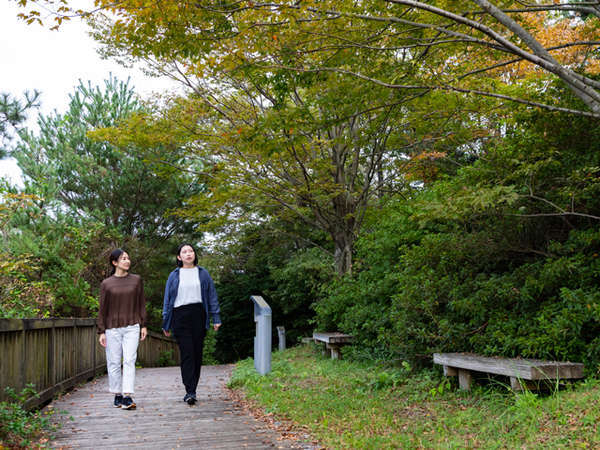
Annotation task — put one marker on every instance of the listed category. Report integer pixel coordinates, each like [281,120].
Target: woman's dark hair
[180,263]
[114,256]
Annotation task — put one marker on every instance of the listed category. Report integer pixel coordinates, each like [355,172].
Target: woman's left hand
[143,333]
[216,326]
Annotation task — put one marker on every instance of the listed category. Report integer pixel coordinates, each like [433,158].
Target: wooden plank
[527,369]
[7,325]
[52,357]
[68,323]
[23,361]
[37,324]
[85,322]
[333,338]
[162,419]
[556,370]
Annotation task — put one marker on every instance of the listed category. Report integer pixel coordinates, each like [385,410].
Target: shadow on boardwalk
[162,420]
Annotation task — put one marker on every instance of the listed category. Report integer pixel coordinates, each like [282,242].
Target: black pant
[189,327]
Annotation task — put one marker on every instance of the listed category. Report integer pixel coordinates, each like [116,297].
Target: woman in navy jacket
[189,305]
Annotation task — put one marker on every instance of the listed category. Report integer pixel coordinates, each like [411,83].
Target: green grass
[352,405]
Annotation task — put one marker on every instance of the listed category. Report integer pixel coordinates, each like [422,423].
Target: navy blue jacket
[209,298]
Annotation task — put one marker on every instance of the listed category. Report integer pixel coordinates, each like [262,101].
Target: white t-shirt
[189,287]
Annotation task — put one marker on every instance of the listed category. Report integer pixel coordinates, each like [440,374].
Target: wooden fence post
[23,361]
[52,355]
[93,350]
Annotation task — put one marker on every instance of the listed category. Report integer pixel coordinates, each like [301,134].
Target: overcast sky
[32,57]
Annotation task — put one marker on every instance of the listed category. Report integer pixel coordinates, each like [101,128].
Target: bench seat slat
[527,369]
[333,338]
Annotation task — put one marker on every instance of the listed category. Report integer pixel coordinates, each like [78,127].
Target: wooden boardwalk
[162,420]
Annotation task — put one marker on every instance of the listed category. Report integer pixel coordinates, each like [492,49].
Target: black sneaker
[118,400]
[128,403]
[190,399]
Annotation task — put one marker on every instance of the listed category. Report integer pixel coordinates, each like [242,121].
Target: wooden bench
[521,371]
[333,342]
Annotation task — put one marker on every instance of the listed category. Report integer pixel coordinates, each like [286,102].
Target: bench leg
[515,385]
[324,350]
[335,351]
[519,385]
[450,371]
[464,379]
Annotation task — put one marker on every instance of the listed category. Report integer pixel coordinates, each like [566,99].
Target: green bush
[500,259]
[19,427]
[166,359]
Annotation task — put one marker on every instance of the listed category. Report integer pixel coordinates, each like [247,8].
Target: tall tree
[13,114]
[317,145]
[112,185]
[499,33]
[324,173]
[310,149]
[90,196]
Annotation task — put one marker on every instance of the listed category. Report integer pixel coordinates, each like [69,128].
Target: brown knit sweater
[122,302]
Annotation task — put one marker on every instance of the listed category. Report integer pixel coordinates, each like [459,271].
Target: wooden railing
[157,350]
[57,354]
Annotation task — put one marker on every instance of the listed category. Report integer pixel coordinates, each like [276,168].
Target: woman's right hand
[167,333]
[102,340]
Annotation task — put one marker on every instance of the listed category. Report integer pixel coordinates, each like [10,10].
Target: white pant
[121,343]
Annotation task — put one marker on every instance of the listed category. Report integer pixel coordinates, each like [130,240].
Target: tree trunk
[344,243]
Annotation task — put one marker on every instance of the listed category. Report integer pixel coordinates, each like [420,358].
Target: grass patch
[346,404]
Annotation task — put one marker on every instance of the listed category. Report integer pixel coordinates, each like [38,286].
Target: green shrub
[501,259]
[166,359]
[19,427]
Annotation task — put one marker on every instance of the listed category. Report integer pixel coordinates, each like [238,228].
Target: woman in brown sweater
[121,319]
